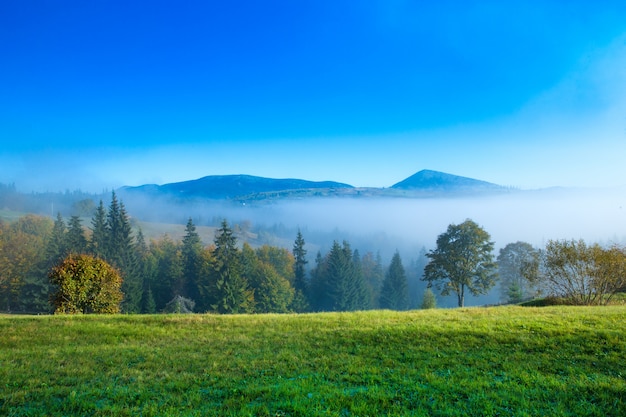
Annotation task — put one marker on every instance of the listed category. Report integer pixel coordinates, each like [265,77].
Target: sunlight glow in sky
[96,95]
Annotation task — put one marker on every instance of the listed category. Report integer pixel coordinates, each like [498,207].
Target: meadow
[497,361]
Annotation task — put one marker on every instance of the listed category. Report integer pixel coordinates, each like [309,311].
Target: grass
[505,361]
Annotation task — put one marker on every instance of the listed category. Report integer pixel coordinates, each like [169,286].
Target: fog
[405,224]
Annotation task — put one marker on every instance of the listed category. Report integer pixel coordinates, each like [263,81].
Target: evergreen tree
[148,305]
[99,234]
[191,262]
[76,242]
[373,274]
[300,284]
[363,298]
[146,271]
[428,300]
[230,289]
[344,286]
[168,271]
[394,294]
[120,252]
[56,248]
[318,285]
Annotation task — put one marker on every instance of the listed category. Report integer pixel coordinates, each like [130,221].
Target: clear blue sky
[98,94]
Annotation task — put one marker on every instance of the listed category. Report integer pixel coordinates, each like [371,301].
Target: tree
[56,245]
[514,260]
[394,294]
[338,281]
[167,271]
[85,284]
[120,253]
[583,274]
[23,284]
[273,292]
[191,261]
[99,235]
[374,275]
[75,240]
[231,292]
[462,261]
[299,254]
[428,300]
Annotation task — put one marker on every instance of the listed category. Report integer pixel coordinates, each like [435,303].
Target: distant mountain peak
[233,186]
[440,181]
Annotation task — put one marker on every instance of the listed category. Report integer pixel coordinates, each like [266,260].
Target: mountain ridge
[424,183]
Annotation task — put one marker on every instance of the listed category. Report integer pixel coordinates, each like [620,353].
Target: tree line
[41,258]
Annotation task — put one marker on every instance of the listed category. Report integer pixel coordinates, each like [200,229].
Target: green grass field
[505,361]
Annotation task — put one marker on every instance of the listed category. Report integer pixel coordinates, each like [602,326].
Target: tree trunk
[461,296]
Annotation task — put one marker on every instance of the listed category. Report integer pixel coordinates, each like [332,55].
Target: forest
[228,276]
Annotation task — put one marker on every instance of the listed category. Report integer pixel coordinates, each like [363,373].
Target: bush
[85,284]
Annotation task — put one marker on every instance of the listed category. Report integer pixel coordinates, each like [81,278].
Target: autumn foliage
[85,284]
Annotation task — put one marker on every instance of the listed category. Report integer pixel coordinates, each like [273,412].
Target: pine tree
[300,302]
[191,262]
[231,291]
[299,252]
[56,248]
[99,234]
[120,253]
[394,294]
[76,242]
[344,286]
[373,274]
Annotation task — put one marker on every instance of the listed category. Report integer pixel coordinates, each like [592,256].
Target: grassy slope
[481,361]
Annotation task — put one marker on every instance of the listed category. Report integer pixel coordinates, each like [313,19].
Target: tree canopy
[84,284]
[463,261]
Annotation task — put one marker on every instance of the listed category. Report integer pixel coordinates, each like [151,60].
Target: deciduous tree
[514,261]
[462,261]
[84,284]
[583,274]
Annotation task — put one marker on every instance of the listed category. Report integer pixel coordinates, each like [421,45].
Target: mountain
[435,181]
[242,188]
[232,187]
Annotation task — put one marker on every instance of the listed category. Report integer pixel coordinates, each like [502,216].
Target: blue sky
[99,94]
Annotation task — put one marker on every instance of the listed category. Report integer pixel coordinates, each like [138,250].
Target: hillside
[513,361]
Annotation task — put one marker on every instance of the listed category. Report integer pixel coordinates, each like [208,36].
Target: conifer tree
[231,291]
[394,294]
[99,234]
[191,262]
[76,242]
[56,248]
[300,284]
[373,274]
[120,253]
[345,287]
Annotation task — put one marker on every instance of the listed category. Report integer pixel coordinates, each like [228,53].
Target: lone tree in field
[463,261]
[85,284]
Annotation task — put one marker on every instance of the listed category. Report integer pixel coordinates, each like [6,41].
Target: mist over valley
[406,217]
